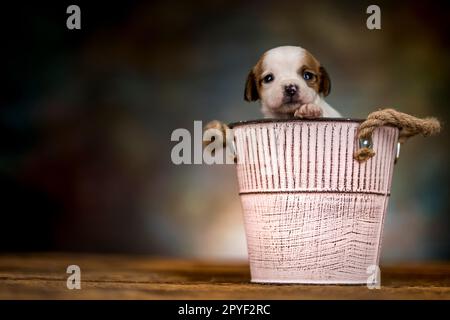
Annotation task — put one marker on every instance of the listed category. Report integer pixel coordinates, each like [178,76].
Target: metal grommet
[397,153]
[365,143]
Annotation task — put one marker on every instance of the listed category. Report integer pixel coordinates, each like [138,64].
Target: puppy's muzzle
[290,90]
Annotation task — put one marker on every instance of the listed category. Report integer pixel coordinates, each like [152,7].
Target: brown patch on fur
[321,81]
[325,82]
[251,92]
[253,83]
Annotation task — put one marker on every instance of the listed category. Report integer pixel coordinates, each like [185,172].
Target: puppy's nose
[290,90]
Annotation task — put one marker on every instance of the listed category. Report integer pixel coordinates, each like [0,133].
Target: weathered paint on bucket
[312,213]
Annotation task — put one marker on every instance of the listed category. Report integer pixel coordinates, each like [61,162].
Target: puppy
[290,83]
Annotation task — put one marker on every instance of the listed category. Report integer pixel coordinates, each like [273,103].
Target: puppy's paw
[217,125]
[308,110]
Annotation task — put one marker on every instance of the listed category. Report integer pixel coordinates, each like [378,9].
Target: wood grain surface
[43,276]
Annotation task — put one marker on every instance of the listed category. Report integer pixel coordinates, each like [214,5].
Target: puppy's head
[285,78]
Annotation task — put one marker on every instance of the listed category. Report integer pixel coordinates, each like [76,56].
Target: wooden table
[43,276]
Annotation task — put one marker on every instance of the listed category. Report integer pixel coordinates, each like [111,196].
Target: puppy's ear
[251,91]
[325,82]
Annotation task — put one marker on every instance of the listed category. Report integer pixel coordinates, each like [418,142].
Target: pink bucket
[312,213]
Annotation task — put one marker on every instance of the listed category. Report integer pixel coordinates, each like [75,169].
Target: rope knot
[408,125]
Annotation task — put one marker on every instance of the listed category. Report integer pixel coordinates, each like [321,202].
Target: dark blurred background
[87,115]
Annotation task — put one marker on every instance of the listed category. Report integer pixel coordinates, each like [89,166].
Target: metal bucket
[312,213]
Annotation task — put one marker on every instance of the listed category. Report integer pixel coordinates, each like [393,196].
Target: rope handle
[408,125]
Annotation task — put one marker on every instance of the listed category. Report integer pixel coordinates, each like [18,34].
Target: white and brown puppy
[290,82]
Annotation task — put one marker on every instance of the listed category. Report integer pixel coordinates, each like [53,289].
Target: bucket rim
[271,120]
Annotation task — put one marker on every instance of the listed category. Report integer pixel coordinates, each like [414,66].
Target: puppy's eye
[308,75]
[268,78]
